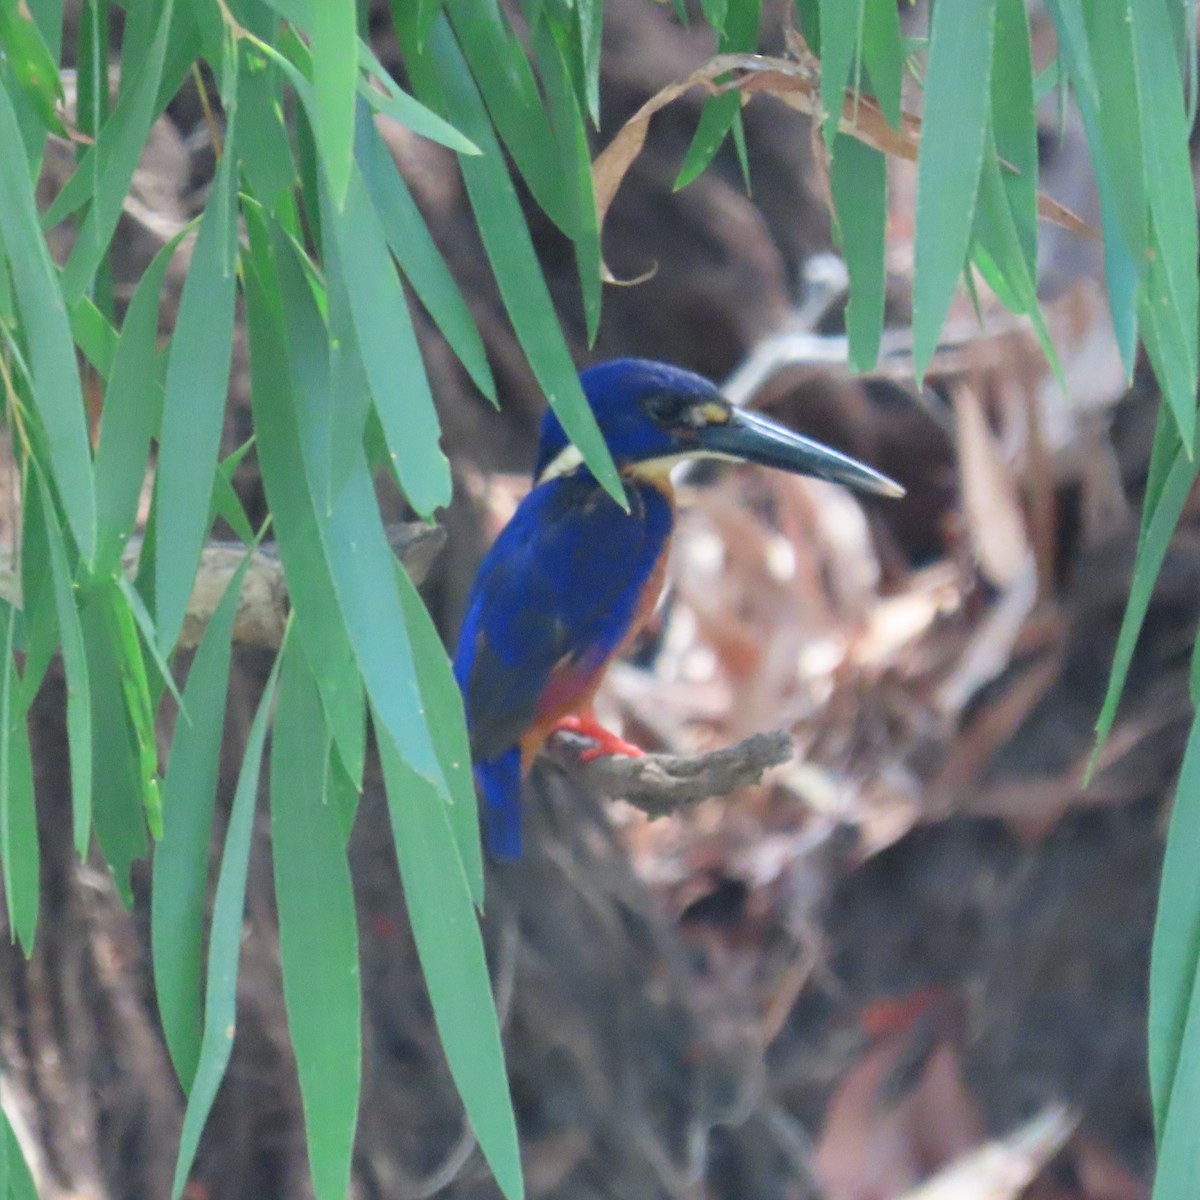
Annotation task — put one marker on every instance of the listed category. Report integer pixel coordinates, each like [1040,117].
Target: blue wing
[560,587]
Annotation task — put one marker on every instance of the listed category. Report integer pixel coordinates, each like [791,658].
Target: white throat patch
[564,462]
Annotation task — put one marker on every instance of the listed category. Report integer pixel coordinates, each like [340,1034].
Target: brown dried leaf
[990,501]
[797,84]
[614,161]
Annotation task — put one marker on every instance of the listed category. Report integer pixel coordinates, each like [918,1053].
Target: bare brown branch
[662,783]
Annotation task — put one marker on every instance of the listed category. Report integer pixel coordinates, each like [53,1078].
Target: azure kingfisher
[572,577]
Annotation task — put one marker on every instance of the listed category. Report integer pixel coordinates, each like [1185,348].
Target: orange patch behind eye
[715,414]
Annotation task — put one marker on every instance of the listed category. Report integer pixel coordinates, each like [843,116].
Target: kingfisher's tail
[499,780]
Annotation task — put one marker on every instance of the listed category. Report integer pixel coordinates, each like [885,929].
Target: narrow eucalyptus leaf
[318,931]
[194,406]
[953,138]
[224,946]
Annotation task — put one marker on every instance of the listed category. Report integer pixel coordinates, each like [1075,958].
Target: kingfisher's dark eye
[667,408]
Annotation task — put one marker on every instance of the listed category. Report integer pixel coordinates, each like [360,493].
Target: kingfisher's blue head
[653,416]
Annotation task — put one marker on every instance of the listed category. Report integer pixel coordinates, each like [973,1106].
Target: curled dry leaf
[797,84]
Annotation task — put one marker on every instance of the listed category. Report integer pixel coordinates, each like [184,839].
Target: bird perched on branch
[572,577]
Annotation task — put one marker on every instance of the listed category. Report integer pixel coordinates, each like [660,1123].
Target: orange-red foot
[607,742]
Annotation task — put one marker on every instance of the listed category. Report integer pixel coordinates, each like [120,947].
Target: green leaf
[92,66]
[94,334]
[999,254]
[841,46]
[1175,956]
[263,144]
[715,12]
[194,406]
[8,312]
[37,591]
[224,946]
[118,800]
[1172,282]
[589,29]
[1014,122]
[19,849]
[336,411]
[421,261]
[716,119]
[48,16]
[954,134]
[290,495]
[79,712]
[180,871]
[333,32]
[32,64]
[451,952]
[808,16]
[1050,79]
[1175,1061]
[131,597]
[343,793]
[883,56]
[509,89]
[361,564]
[132,412]
[510,250]
[105,172]
[355,557]
[227,505]
[1186,15]
[740,149]
[368,307]
[1178,1167]
[396,103]
[721,113]
[391,357]
[447,723]
[1109,32]
[575,156]
[58,398]
[1152,550]
[19,1184]
[1164,332]
[32,147]
[135,691]
[858,181]
[428,12]
[1116,179]
[318,933]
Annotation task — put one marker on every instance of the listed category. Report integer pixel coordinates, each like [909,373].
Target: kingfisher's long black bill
[750,438]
